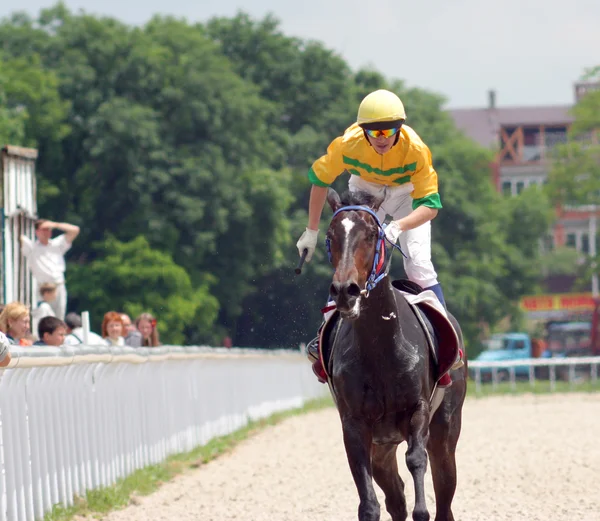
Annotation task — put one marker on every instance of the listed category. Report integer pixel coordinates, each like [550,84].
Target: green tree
[134,278]
[197,137]
[575,176]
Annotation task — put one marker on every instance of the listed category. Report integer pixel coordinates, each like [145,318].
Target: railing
[507,370]
[78,418]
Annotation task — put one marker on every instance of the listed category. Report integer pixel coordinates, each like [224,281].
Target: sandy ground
[519,458]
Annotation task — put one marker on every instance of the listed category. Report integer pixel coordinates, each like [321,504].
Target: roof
[483,125]
[28,153]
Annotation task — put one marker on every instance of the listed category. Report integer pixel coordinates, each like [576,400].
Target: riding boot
[312,348]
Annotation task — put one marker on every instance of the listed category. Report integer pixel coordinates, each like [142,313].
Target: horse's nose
[345,289]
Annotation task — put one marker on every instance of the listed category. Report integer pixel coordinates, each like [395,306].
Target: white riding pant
[416,244]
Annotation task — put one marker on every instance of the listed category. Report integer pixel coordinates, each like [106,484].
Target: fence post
[513,378]
[531,376]
[477,380]
[552,377]
[571,375]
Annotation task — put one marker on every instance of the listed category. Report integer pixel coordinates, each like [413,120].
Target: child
[51,332]
[44,307]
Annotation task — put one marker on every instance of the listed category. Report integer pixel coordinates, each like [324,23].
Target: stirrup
[458,363]
[312,349]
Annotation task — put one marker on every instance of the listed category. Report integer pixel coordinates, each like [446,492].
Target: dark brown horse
[382,372]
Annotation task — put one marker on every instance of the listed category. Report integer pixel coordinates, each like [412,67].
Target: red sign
[558,302]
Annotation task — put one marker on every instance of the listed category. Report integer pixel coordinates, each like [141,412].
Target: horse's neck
[380,311]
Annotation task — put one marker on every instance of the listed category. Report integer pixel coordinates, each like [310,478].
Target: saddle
[442,338]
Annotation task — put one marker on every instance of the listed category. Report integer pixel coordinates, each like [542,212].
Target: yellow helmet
[379,107]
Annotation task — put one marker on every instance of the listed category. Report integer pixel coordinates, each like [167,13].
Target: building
[523,138]
[18,213]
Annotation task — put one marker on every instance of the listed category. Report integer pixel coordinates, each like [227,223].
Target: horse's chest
[376,400]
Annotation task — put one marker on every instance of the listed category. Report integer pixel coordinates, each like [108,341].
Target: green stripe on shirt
[374,170]
[312,177]
[431,201]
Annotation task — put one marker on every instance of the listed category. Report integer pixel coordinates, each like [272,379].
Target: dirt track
[526,458]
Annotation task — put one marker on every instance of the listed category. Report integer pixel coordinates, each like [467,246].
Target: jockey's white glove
[4,346]
[307,241]
[393,231]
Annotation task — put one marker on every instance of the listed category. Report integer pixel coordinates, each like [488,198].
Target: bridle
[378,270]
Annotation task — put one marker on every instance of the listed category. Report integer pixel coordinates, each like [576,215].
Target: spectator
[51,332]
[75,332]
[146,325]
[14,322]
[112,329]
[133,338]
[44,308]
[47,258]
[4,350]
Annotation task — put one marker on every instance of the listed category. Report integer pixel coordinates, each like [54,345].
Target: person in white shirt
[46,258]
[44,308]
[75,332]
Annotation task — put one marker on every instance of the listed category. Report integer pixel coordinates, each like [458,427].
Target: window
[571,240]
[555,136]
[549,242]
[507,188]
[519,344]
[585,243]
[531,144]
[520,186]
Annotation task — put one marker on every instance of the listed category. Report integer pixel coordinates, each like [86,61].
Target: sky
[529,51]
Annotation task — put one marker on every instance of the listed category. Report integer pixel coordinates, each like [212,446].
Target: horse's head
[356,248]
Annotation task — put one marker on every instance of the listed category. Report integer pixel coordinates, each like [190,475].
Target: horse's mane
[350,198]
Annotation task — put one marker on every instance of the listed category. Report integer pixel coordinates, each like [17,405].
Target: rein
[377,271]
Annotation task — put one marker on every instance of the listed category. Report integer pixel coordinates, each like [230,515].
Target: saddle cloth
[442,338]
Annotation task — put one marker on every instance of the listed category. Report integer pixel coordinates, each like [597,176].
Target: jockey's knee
[421,272]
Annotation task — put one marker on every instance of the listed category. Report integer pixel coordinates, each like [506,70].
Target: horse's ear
[333,199]
[376,203]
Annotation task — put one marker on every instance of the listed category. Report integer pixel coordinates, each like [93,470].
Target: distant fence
[79,418]
[531,369]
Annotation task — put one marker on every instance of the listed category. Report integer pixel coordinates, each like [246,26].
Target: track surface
[519,458]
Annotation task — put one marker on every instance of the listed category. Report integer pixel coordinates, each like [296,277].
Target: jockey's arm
[416,218]
[318,195]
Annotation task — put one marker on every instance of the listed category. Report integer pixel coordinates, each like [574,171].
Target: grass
[147,480]
[540,387]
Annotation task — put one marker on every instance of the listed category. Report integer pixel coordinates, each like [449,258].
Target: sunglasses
[388,132]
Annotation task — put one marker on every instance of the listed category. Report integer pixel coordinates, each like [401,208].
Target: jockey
[388,159]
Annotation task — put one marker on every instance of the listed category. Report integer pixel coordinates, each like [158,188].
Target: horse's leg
[357,440]
[442,449]
[385,473]
[416,457]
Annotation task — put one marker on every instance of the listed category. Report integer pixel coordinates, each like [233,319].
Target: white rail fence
[79,418]
[570,369]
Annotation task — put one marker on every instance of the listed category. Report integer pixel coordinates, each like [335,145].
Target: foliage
[134,278]
[182,149]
